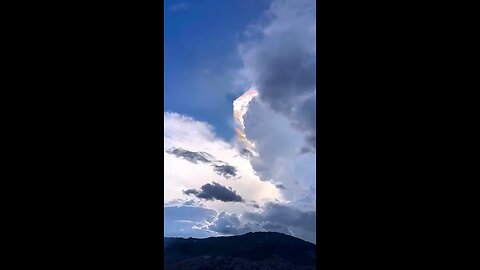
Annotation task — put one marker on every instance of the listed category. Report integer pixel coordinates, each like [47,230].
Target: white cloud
[280,61]
[276,140]
[187,133]
[279,145]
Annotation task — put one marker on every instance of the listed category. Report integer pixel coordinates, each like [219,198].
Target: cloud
[215,191]
[182,221]
[186,133]
[181,202]
[226,170]
[195,221]
[255,204]
[192,192]
[193,157]
[245,152]
[195,214]
[291,216]
[228,224]
[286,219]
[278,145]
[273,227]
[220,167]
[273,217]
[280,61]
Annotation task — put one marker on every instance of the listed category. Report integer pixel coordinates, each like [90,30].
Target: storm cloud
[279,60]
[273,217]
[281,63]
[215,191]
[286,219]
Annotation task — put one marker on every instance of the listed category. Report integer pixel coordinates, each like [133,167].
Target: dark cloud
[280,186]
[220,167]
[226,170]
[305,150]
[274,227]
[256,217]
[262,168]
[215,191]
[282,63]
[278,147]
[194,157]
[274,217]
[284,218]
[191,192]
[246,153]
[287,215]
[254,204]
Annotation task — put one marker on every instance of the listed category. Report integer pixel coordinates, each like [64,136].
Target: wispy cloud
[193,157]
[220,167]
[179,7]
[206,71]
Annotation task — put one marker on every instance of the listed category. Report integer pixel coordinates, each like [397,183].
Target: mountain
[259,250]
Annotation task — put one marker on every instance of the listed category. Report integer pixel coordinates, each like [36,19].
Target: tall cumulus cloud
[281,63]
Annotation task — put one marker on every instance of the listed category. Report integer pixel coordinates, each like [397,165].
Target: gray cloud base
[286,219]
[193,157]
[282,63]
[215,191]
[226,171]
[220,167]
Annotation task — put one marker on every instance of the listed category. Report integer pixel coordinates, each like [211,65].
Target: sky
[214,52]
[200,39]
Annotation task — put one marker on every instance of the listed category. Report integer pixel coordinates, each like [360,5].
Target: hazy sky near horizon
[215,51]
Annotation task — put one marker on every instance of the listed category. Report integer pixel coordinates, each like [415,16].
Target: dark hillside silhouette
[260,250]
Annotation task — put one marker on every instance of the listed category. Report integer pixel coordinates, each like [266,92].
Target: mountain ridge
[253,250]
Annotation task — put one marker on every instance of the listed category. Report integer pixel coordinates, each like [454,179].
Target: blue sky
[200,39]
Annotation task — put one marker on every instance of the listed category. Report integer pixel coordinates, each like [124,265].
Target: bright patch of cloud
[180,174]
